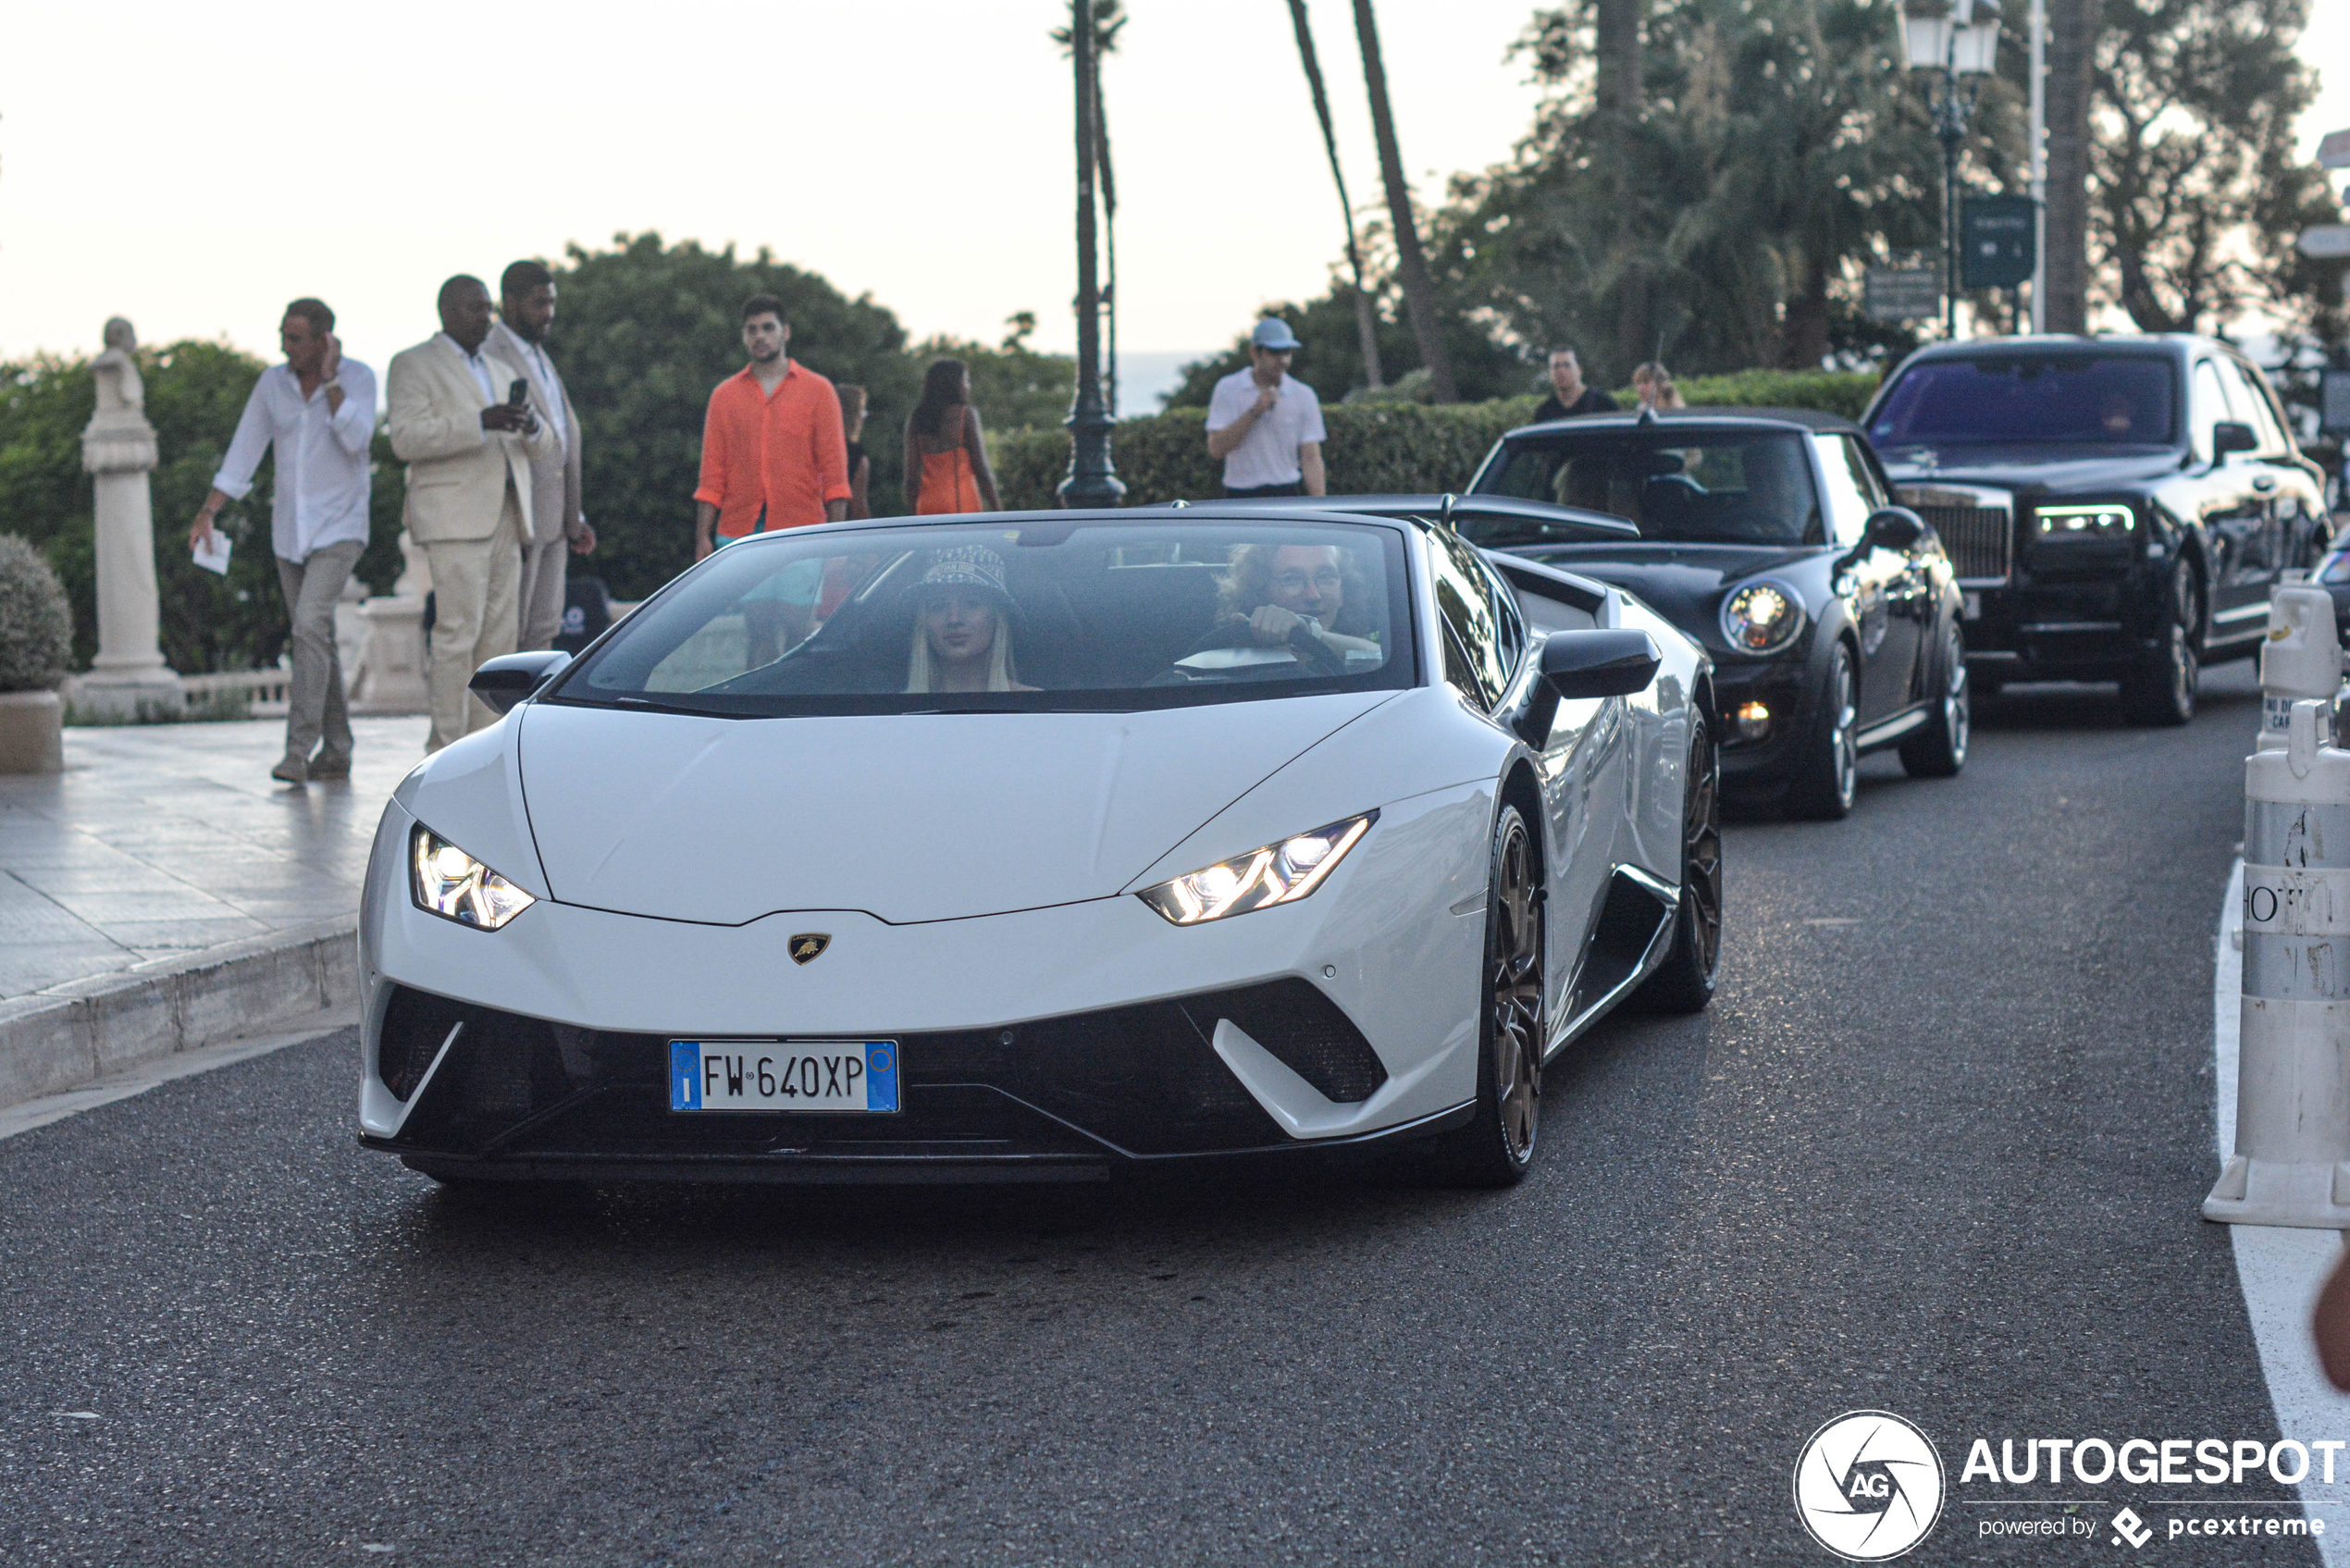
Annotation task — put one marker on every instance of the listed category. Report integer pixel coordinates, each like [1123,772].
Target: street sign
[2333,402]
[1901,293]
[2327,241]
[2334,151]
[1997,241]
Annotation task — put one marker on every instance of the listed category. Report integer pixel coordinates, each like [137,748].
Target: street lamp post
[1093,479]
[1955,38]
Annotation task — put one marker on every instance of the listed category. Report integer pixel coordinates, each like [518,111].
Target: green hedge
[1374,449]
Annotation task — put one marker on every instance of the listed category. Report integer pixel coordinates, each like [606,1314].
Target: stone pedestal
[129,679]
[31,733]
[389,674]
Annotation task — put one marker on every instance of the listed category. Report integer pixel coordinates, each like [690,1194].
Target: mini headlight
[2067,524]
[1762,617]
[1279,873]
[454,885]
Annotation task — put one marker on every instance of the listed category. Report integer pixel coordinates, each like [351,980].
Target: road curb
[74,1034]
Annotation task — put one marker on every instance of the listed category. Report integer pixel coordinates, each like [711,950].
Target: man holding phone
[525,312]
[461,420]
[318,412]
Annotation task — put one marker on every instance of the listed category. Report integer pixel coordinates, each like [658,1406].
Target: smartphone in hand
[517,393]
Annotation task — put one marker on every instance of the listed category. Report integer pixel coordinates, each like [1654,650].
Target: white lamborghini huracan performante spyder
[1030,846]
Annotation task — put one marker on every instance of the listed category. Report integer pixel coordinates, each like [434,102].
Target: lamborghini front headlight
[1277,873]
[451,884]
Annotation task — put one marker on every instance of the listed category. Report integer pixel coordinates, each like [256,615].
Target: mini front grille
[1979,539]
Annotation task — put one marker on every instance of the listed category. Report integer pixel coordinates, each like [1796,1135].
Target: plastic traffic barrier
[2292,1159]
[2300,660]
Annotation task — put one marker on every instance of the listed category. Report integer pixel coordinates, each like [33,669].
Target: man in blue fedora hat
[1267,425]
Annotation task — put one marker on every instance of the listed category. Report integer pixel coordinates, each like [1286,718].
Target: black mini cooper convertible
[1771,537]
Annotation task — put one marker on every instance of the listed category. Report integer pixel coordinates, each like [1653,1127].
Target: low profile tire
[2160,692]
[1828,771]
[1938,752]
[1497,1146]
[1684,982]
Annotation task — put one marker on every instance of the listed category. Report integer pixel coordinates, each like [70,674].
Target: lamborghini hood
[908,816]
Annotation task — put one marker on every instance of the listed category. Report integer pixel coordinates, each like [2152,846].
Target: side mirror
[1896,528]
[1586,664]
[2232,436]
[506,679]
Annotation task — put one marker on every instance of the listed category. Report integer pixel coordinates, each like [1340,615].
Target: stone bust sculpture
[119,388]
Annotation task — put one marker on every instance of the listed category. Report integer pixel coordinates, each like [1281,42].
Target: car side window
[1847,479]
[1472,659]
[2260,412]
[2206,405]
[1509,625]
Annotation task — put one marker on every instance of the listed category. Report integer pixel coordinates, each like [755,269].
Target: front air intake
[1304,1030]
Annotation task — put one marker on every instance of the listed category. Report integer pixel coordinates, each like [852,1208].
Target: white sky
[232,157]
[195,167]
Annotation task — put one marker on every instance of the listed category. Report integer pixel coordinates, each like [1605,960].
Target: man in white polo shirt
[1264,424]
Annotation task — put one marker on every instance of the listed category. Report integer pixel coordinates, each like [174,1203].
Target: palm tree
[1109,19]
[1419,294]
[1366,319]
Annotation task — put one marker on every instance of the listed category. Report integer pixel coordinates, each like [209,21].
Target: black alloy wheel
[2160,692]
[1939,750]
[1684,982]
[1828,769]
[1497,1145]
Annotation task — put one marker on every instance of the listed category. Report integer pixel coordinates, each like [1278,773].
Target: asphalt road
[1936,1148]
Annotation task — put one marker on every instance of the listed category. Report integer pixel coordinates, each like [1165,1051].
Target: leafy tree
[195,392]
[2197,193]
[1774,147]
[646,331]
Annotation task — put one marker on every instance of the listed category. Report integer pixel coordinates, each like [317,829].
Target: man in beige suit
[468,445]
[525,310]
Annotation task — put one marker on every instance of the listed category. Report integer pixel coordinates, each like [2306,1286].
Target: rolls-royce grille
[1980,539]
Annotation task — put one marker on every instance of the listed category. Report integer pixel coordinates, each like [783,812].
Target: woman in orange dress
[946,460]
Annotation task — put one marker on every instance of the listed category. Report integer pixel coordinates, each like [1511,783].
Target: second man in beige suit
[525,310]
[468,443]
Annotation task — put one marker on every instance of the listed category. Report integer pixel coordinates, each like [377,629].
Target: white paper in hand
[215,559]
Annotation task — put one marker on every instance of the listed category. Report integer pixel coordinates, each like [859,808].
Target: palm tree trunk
[1366,318]
[1419,294]
[1620,93]
[2072,37]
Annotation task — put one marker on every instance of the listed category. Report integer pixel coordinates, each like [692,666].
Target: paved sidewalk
[161,840]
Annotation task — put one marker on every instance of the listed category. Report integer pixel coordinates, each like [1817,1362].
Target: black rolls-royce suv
[2117,508]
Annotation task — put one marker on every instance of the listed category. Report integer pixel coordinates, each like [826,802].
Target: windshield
[2031,399]
[1031,617]
[1742,486]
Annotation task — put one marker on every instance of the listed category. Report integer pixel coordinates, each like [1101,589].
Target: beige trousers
[542,593]
[314,708]
[474,585]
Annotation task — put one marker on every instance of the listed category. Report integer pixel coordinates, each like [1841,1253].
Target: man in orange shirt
[772,451]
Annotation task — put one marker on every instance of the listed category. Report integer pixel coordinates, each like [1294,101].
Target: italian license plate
[1974,607]
[783,1075]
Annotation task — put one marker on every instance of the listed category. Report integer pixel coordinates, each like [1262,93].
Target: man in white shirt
[318,412]
[525,310]
[1264,424]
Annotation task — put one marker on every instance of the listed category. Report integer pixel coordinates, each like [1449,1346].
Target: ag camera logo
[1868,1485]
